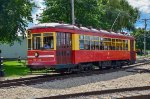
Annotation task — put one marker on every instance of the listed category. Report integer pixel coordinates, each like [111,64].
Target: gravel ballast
[119,79]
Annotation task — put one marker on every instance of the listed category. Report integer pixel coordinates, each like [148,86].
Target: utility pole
[72,12]
[145,22]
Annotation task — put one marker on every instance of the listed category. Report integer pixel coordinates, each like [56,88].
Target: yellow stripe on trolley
[129,45]
[54,35]
[75,41]
[42,39]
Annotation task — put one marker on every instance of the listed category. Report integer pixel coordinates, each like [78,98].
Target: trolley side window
[81,40]
[113,43]
[29,44]
[96,41]
[101,43]
[87,42]
[107,43]
[126,44]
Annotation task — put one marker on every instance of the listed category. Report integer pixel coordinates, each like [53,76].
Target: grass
[14,69]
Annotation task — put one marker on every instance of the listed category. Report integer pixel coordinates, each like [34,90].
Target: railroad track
[102,92]
[137,97]
[21,81]
[40,79]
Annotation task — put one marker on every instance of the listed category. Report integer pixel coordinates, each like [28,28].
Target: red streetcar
[68,47]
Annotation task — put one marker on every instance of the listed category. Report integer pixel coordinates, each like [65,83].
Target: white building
[14,51]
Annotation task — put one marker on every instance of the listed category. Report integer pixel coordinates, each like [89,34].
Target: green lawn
[14,68]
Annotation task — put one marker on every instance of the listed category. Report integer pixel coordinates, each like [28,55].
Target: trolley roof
[73,27]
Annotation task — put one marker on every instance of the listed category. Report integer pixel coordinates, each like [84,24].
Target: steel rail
[137,97]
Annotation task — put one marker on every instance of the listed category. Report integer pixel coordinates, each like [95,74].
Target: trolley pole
[145,22]
[114,22]
[72,12]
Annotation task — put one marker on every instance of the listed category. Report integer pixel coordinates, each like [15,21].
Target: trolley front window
[36,41]
[48,41]
[44,41]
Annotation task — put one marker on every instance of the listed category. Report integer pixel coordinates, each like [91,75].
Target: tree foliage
[14,17]
[139,35]
[96,13]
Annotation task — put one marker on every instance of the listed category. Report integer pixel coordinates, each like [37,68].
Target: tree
[112,8]
[95,13]
[14,17]
[139,35]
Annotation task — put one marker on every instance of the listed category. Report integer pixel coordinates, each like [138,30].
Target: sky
[142,5]
[37,11]
[144,8]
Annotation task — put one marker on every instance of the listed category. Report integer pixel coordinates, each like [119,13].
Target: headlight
[36,54]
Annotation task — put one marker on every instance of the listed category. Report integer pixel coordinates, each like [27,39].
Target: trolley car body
[71,45]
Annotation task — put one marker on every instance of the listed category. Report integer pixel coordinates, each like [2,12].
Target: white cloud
[142,5]
[37,11]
